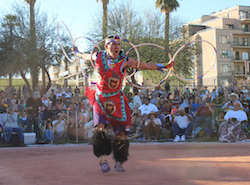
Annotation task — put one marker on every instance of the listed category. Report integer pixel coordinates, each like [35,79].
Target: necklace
[111,62]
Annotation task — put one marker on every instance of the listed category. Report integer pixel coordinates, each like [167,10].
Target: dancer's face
[113,49]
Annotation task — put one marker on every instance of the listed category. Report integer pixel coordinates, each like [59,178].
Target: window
[224,39]
[243,14]
[225,54]
[213,38]
[236,55]
[245,27]
[229,15]
[226,68]
[215,82]
[245,41]
[245,55]
[229,26]
[237,68]
[236,41]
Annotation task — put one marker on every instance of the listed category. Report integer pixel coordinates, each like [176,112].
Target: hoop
[60,42]
[133,46]
[169,71]
[78,61]
[200,76]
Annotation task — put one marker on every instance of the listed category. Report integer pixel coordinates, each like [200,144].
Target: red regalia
[108,98]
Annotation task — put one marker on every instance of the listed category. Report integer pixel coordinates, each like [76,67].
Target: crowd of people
[196,113]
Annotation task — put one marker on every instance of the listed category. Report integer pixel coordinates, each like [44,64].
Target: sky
[77,14]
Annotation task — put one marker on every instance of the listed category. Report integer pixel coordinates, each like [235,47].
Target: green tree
[104,17]
[33,46]
[167,6]
[9,24]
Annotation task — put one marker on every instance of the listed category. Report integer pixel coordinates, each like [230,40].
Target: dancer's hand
[75,50]
[165,65]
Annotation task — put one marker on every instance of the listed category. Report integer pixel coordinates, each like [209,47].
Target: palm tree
[167,6]
[104,17]
[33,58]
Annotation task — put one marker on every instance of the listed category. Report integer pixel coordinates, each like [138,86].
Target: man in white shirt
[147,107]
[182,124]
[238,114]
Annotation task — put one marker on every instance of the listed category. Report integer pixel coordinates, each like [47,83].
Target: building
[229,31]
[74,75]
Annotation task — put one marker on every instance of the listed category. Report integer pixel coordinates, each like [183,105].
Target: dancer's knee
[101,143]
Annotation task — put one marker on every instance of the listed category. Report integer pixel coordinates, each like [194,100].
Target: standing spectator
[13,91]
[19,92]
[152,126]
[25,91]
[147,107]
[52,97]
[4,104]
[221,91]
[230,89]
[33,107]
[77,91]
[12,125]
[136,98]
[182,124]
[204,114]
[206,91]
[244,82]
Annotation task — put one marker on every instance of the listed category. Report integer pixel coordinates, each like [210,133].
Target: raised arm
[84,56]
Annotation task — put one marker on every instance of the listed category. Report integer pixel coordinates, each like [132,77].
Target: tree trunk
[33,58]
[167,30]
[27,83]
[43,76]
[105,19]
[10,80]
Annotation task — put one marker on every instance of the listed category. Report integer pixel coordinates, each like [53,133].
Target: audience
[62,111]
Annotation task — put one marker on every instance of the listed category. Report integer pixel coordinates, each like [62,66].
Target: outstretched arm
[149,66]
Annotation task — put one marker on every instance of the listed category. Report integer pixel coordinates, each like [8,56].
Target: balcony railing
[239,58]
[240,43]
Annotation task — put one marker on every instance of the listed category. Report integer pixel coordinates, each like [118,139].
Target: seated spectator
[147,107]
[89,124]
[231,130]
[11,125]
[175,109]
[230,104]
[245,103]
[182,124]
[48,131]
[71,129]
[244,90]
[136,119]
[204,114]
[139,132]
[59,126]
[152,126]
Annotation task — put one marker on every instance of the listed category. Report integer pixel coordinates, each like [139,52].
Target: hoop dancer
[109,103]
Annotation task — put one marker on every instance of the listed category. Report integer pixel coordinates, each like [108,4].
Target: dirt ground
[149,163]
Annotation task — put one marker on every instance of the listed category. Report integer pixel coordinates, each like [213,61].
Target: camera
[48,121]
